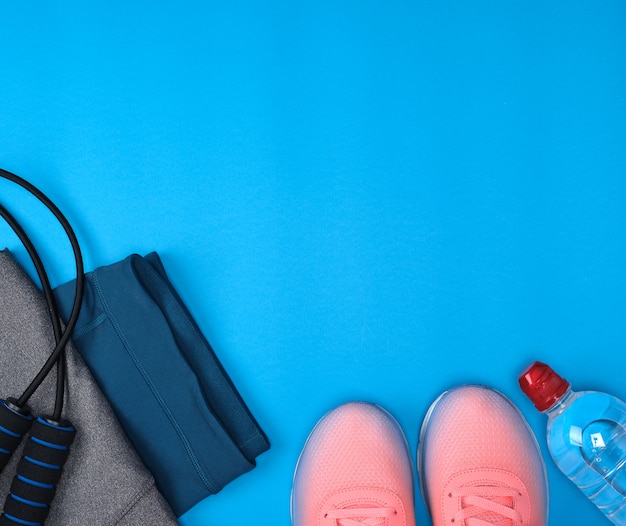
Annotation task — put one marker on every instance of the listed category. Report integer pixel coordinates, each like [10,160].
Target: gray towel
[104,481]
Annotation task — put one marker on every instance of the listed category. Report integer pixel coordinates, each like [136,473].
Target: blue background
[356,199]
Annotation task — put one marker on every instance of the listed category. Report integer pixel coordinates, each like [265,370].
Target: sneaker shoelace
[487,506]
[360,516]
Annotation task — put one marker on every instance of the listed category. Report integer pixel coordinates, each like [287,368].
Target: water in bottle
[586,437]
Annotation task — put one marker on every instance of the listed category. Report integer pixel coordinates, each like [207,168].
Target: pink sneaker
[479,462]
[355,469]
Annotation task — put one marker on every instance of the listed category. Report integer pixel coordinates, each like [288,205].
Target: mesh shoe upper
[354,469]
[480,463]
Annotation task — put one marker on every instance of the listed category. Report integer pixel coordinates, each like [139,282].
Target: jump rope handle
[38,473]
[15,421]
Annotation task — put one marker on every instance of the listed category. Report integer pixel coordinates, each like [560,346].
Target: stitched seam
[81,331]
[137,498]
[251,440]
[181,436]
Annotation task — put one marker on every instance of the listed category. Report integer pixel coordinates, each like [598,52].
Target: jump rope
[50,436]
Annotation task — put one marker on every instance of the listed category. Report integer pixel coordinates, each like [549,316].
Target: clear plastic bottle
[586,437]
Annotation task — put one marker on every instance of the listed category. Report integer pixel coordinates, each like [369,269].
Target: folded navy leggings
[166,385]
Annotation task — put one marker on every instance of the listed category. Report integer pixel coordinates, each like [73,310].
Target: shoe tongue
[366,520]
[380,501]
[494,518]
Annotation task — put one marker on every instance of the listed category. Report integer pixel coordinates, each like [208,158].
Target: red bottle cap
[542,385]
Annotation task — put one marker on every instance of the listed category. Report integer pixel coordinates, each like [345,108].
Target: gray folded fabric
[104,481]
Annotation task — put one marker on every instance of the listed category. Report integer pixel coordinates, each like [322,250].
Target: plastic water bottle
[586,437]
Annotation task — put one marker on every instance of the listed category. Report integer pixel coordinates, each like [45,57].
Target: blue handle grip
[38,473]
[14,422]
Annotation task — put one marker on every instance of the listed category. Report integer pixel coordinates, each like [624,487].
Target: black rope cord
[49,296]
[61,338]
[47,448]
